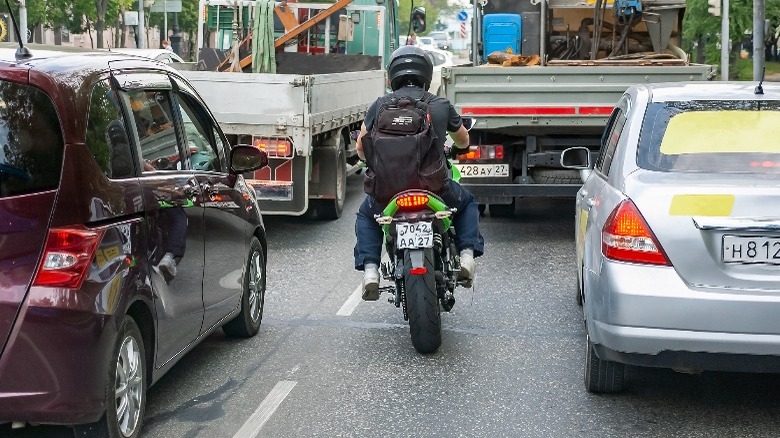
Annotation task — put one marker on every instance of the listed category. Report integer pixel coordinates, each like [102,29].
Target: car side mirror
[418,19]
[246,158]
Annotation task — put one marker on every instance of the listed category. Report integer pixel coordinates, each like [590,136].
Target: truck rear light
[411,201]
[66,257]
[626,237]
[484,152]
[274,147]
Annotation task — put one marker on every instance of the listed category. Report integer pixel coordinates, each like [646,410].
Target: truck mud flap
[280,197]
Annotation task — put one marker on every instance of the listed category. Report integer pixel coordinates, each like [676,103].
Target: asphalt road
[511,363]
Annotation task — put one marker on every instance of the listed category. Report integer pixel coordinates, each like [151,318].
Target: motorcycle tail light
[411,201]
[66,257]
[418,271]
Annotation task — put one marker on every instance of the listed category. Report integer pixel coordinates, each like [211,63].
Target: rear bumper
[511,190]
[648,316]
[55,365]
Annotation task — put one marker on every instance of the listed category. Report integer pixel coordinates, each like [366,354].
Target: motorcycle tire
[422,305]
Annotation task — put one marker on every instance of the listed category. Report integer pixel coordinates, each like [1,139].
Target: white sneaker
[370,282]
[167,266]
[468,266]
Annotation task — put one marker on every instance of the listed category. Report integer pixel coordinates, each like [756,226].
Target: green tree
[701,29]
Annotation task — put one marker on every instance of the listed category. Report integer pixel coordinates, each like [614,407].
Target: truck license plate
[483,170]
[754,249]
[414,235]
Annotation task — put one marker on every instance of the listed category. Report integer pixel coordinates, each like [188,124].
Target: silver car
[678,232]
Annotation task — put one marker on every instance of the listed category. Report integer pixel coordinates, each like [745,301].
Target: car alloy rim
[255,286]
[129,386]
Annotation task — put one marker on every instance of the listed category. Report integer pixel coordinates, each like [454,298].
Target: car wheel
[125,396]
[247,323]
[601,375]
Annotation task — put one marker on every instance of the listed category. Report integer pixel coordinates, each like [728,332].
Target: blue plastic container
[500,31]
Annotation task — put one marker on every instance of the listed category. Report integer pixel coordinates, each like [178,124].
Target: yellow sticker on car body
[710,132]
[701,205]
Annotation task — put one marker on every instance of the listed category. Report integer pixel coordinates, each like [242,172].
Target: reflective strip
[536,110]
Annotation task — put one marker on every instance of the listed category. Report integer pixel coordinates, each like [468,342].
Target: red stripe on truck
[536,110]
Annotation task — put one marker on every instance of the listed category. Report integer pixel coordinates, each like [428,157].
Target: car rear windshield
[711,136]
[31,144]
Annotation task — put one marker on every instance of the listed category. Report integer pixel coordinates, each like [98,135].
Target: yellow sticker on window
[697,132]
[701,205]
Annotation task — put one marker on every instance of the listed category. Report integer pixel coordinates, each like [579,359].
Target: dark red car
[127,235]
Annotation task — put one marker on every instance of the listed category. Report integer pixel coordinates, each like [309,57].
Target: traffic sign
[463,16]
[166,6]
[463,29]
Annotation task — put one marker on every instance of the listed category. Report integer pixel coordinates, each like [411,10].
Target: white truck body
[302,120]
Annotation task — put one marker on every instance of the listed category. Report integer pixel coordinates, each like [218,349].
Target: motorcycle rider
[410,71]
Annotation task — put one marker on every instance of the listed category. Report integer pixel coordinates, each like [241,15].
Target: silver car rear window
[31,145]
[711,136]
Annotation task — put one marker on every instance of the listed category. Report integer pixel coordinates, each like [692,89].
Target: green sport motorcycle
[424,262]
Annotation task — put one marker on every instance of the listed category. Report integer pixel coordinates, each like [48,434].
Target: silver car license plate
[483,170]
[414,235]
[752,249]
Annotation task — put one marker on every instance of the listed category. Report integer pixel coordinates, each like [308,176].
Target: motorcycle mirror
[469,123]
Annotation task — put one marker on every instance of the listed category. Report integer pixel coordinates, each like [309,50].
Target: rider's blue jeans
[466,222]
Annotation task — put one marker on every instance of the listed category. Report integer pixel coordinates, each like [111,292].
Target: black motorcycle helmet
[410,64]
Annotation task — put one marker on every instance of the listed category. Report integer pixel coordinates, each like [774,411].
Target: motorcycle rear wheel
[422,305]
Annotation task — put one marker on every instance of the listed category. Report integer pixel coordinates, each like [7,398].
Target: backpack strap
[428,97]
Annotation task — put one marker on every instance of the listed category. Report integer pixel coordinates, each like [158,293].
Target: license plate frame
[414,235]
[750,250]
[468,170]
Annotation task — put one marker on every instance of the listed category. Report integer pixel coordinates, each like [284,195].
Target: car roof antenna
[759,89]
[22,52]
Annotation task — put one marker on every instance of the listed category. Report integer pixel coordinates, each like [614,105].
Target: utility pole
[23,20]
[725,44]
[759,11]
[141,25]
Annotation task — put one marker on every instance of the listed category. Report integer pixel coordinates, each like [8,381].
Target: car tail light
[627,237]
[274,147]
[484,152]
[66,257]
[411,201]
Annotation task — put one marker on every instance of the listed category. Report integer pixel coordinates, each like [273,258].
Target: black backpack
[401,150]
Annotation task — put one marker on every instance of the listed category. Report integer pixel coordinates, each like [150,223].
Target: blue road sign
[463,16]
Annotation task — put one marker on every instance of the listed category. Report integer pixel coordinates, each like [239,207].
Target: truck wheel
[422,306]
[331,209]
[601,375]
[502,210]
[555,176]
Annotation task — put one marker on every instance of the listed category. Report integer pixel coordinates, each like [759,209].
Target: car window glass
[605,138]
[612,142]
[151,111]
[106,133]
[730,136]
[203,154]
[31,145]
[438,58]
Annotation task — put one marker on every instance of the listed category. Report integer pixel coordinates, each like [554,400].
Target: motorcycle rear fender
[417,257]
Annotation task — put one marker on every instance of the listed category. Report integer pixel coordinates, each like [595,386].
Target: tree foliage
[700,28]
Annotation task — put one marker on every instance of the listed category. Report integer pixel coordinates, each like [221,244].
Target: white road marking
[352,302]
[267,407]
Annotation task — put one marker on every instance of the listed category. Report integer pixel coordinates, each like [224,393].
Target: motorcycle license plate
[414,235]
